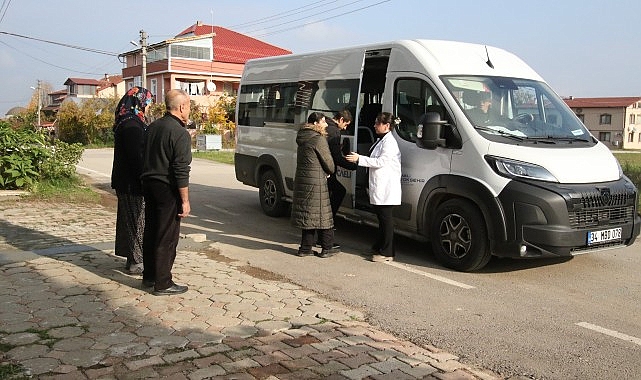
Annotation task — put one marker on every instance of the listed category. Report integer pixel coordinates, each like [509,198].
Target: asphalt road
[577,318]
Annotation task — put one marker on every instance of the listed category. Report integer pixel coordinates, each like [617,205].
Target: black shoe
[319,245]
[174,289]
[148,283]
[302,253]
[329,252]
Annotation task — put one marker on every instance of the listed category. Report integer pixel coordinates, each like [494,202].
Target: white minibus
[523,179]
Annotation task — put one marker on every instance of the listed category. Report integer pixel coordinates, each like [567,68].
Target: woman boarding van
[493,161]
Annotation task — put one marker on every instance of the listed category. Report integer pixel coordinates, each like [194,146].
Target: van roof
[438,57]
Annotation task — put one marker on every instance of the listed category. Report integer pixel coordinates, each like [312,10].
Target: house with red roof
[207,61]
[107,87]
[77,89]
[615,121]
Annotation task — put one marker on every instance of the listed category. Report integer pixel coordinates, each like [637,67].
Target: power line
[63,44]
[324,19]
[310,16]
[5,7]
[48,63]
[287,13]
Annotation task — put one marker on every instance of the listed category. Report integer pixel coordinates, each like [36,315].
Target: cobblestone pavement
[68,311]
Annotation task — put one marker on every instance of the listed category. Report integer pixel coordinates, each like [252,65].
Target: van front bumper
[552,220]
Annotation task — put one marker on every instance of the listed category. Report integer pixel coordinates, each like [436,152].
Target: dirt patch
[108,200]
[262,274]
[214,254]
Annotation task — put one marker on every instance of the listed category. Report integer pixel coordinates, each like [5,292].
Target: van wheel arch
[441,188]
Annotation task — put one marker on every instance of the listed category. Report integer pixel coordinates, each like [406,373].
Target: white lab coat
[384,163]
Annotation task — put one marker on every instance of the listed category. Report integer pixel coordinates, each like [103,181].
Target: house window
[605,118]
[154,88]
[633,119]
[193,52]
[581,117]
[631,137]
[156,55]
[604,136]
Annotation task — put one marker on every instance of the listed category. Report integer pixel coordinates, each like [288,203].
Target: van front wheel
[270,192]
[459,236]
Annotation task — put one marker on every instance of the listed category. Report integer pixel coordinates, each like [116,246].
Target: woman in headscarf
[311,208]
[129,139]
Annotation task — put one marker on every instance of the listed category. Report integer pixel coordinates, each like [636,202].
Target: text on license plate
[602,236]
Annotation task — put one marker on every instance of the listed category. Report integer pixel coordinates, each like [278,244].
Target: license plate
[602,236]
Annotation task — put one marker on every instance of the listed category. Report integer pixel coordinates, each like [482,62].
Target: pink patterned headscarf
[132,104]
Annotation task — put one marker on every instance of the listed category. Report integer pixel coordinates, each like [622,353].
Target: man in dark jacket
[165,179]
[337,191]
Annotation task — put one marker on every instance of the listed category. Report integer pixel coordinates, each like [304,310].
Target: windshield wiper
[553,139]
[499,132]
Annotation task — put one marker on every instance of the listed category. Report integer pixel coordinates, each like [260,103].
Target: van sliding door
[370,103]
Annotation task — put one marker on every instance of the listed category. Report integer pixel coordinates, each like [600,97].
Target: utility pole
[143,52]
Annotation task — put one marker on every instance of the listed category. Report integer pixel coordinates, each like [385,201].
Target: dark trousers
[162,229]
[325,237]
[336,193]
[385,242]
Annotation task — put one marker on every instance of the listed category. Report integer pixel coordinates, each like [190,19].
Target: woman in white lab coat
[384,163]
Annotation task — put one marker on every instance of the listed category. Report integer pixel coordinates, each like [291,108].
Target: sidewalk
[69,311]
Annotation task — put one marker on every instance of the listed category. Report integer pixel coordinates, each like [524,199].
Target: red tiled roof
[602,102]
[233,47]
[109,81]
[91,82]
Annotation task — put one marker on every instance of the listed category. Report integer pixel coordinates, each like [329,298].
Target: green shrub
[633,172]
[26,158]
[62,160]
[22,150]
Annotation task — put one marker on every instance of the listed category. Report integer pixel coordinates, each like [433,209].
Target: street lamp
[39,101]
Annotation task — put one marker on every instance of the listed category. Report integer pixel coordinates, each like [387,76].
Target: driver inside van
[482,113]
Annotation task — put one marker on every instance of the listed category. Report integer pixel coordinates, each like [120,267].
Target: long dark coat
[311,208]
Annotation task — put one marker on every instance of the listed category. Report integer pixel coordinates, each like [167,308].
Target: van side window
[291,102]
[412,98]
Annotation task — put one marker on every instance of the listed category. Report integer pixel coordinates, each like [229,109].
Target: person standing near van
[335,126]
[129,141]
[384,163]
[165,180]
[311,208]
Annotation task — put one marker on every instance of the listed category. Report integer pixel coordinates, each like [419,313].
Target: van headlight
[512,168]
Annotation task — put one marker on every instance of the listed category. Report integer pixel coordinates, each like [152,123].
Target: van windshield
[504,108]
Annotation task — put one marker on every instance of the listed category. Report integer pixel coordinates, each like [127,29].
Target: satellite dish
[211,86]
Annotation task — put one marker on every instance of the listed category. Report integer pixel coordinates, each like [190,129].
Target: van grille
[601,216]
[602,207]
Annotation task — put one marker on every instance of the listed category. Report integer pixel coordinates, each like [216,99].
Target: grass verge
[67,190]
[222,156]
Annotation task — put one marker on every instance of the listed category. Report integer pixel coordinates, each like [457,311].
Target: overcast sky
[581,48]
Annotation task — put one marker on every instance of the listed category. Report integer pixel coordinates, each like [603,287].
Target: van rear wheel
[459,236]
[270,191]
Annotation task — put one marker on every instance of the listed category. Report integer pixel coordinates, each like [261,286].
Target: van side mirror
[429,131]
